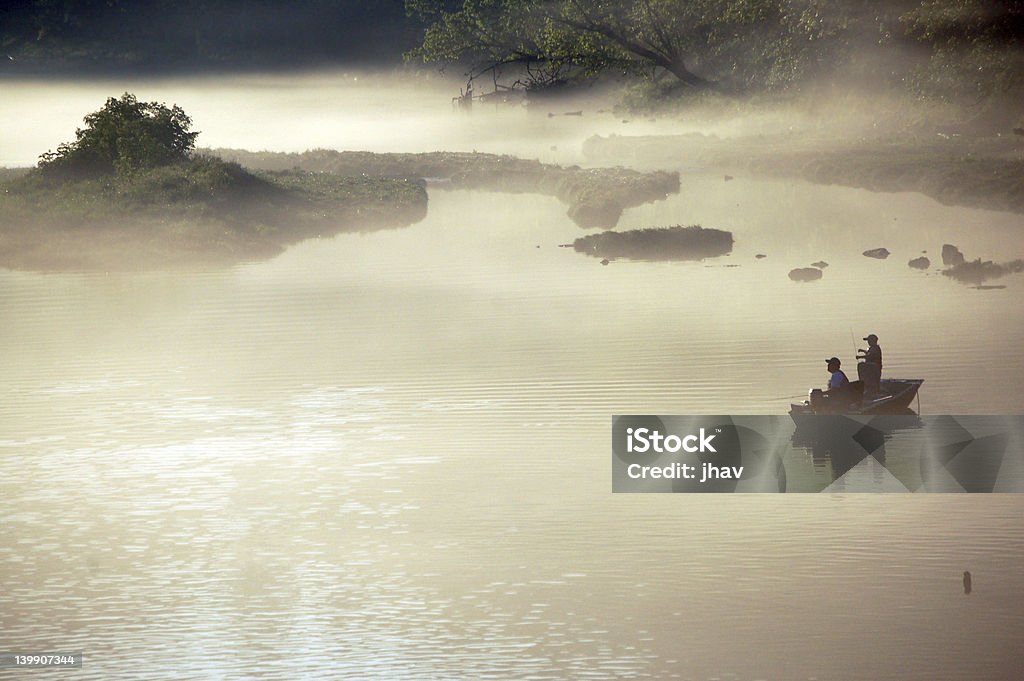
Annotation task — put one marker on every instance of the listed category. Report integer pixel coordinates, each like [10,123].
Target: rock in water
[951,256]
[821,264]
[879,253]
[967,582]
[805,274]
[921,263]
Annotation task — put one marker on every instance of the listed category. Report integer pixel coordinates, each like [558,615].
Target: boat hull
[895,397]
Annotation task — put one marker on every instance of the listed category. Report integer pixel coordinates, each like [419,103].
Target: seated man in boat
[840,393]
[837,379]
[870,369]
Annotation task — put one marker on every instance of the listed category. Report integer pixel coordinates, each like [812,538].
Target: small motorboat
[894,397]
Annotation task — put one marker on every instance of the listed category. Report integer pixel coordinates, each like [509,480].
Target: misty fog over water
[386,454]
[364,110]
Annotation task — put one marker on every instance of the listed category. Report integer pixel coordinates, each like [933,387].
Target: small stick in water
[967,582]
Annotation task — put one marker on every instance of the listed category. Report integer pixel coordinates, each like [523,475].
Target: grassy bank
[986,172]
[596,197]
[204,210]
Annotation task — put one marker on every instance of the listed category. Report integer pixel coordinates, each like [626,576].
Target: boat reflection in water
[842,428]
[843,441]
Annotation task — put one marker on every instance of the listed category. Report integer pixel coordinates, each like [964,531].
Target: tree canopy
[737,44]
[976,46]
[124,136]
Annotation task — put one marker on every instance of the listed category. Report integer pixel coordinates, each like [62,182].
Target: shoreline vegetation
[198,212]
[983,173]
[596,197]
[209,208]
[130,192]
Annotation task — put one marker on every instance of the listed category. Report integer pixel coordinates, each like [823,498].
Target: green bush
[126,135]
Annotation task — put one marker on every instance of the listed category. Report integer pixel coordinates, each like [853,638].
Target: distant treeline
[47,35]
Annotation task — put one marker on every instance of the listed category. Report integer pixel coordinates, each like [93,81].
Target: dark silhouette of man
[869,369]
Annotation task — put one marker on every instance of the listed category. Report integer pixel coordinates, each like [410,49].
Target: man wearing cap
[839,394]
[837,378]
[870,369]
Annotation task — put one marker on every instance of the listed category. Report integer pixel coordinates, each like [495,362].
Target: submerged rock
[921,263]
[821,264]
[759,256]
[877,253]
[951,256]
[664,243]
[805,274]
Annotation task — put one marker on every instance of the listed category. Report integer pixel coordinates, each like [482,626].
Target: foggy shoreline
[977,173]
[596,196]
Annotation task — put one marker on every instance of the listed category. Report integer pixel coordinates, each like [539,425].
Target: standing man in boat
[870,369]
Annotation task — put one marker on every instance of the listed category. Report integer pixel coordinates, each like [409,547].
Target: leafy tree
[977,46]
[124,136]
[767,42]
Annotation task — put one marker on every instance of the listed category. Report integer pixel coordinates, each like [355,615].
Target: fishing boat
[894,397]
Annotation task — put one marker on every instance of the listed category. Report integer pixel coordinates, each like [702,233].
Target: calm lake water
[386,455]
